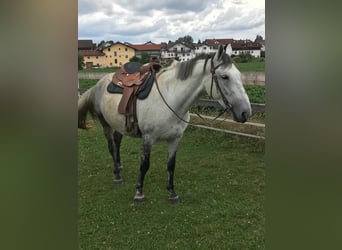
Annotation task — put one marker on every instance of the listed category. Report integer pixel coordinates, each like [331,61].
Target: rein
[213,79]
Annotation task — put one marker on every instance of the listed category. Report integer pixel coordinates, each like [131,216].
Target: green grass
[220,180]
[87,83]
[251,67]
[256,93]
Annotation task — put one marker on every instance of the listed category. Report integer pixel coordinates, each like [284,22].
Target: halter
[213,79]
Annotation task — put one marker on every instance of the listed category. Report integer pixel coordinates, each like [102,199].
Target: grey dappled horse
[180,85]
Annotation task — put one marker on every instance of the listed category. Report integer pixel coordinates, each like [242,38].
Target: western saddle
[132,77]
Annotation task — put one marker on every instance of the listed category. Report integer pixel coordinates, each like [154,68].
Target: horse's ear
[220,52]
[228,48]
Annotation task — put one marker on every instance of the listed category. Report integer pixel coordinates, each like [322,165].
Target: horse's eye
[225,77]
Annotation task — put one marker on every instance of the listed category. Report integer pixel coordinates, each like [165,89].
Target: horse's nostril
[244,116]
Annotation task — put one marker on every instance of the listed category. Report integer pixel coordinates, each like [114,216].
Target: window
[126,49]
[108,49]
[88,57]
[115,54]
[119,48]
[115,61]
[97,57]
[126,56]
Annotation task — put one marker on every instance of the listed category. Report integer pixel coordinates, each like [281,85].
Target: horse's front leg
[171,163]
[144,166]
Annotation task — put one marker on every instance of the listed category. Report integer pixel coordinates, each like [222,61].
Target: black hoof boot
[173,198]
[139,198]
[118,181]
[117,178]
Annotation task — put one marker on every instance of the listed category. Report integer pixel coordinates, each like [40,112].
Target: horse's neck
[182,94]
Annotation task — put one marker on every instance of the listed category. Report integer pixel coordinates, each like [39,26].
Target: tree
[145,58]
[199,41]
[258,38]
[134,59]
[80,61]
[185,39]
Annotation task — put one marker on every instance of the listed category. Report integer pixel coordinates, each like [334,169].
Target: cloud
[141,21]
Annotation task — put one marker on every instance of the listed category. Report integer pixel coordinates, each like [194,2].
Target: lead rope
[174,112]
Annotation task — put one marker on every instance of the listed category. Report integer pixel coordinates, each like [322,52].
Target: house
[179,50]
[152,49]
[246,47]
[86,45]
[203,49]
[117,54]
[93,58]
[238,46]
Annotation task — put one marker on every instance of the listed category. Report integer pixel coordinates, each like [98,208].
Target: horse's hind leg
[117,140]
[114,141]
[144,166]
[171,163]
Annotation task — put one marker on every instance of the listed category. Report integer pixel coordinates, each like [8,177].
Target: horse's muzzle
[241,116]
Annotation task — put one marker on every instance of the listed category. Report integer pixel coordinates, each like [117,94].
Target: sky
[139,21]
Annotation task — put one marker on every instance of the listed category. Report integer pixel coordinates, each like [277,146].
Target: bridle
[213,79]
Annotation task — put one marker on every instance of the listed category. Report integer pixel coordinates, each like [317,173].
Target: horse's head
[226,85]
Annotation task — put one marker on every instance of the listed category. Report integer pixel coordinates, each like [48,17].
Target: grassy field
[220,180]
[251,67]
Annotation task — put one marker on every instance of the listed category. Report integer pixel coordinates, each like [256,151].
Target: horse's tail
[85,105]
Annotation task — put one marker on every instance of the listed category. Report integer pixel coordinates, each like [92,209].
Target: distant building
[152,49]
[238,46]
[86,45]
[93,58]
[117,54]
[179,51]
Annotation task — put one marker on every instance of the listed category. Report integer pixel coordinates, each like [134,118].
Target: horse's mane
[185,68]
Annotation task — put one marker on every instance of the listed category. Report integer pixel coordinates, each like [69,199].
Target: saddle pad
[142,93]
[132,67]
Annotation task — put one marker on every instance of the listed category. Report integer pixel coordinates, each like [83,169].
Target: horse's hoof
[118,181]
[139,199]
[174,198]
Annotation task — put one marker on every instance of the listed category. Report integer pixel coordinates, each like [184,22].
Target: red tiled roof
[91,53]
[263,42]
[236,44]
[145,47]
[219,41]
